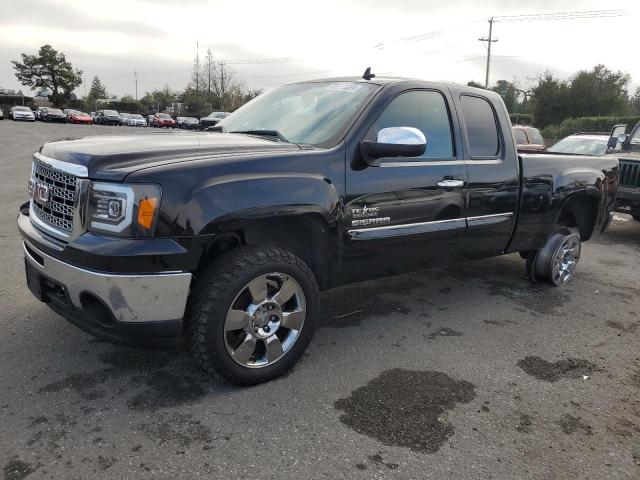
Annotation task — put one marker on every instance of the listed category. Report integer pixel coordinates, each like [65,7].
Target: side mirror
[394,142]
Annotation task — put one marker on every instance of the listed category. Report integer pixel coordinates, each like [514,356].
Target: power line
[561,16]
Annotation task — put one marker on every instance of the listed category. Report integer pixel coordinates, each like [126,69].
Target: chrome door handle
[450,183]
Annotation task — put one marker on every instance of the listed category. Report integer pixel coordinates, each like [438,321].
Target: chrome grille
[58,211]
[629,174]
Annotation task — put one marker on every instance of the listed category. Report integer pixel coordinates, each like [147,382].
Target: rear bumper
[128,309]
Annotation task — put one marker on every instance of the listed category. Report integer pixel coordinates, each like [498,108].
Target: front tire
[252,314]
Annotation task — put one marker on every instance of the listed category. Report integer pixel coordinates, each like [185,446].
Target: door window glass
[422,109]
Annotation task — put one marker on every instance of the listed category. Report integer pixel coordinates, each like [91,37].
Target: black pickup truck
[225,238]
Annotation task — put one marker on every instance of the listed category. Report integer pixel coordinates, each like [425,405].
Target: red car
[163,120]
[80,117]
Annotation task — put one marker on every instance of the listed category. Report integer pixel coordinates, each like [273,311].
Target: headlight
[129,210]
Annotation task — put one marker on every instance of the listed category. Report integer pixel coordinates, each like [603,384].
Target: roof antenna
[368,75]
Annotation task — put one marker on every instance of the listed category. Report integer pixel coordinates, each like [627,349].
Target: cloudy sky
[272,42]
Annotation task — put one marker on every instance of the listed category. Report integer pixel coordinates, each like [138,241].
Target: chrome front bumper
[129,298]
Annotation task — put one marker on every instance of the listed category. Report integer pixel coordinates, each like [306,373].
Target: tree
[509,93]
[599,92]
[50,70]
[209,69]
[97,90]
[551,100]
[127,98]
[634,104]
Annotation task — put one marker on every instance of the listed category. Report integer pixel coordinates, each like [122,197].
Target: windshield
[110,112]
[21,109]
[308,113]
[55,111]
[135,116]
[164,115]
[217,115]
[580,146]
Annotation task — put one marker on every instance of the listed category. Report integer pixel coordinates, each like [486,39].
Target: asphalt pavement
[466,372]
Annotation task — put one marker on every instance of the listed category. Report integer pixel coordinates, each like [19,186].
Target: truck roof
[383,81]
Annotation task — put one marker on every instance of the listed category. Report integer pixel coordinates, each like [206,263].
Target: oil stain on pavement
[405,408]
[552,372]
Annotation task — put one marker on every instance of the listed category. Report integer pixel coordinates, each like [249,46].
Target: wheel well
[579,212]
[306,236]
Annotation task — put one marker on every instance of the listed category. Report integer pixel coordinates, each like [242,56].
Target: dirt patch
[535,298]
[571,425]
[500,323]
[405,408]
[552,372]
[524,423]
[628,328]
[170,378]
[16,469]
[348,306]
[444,332]
[179,430]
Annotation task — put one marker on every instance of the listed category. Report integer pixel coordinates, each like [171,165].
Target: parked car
[582,144]
[76,117]
[212,119]
[124,117]
[188,123]
[528,138]
[53,115]
[163,120]
[136,120]
[22,113]
[107,117]
[1,114]
[38,112]
[626,148]
[237,231]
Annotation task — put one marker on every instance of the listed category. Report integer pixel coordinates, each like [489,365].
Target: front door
[408,213]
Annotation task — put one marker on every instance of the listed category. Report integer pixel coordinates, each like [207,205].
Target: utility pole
[135,76]
[489,41]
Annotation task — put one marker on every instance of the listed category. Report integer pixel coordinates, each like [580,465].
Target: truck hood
[115,157]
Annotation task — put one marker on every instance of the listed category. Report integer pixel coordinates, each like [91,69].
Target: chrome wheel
[565,259]
[264,320]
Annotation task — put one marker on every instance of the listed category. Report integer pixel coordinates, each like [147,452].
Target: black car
[626,148]
[53,115]
[212,119]
[224,239]
[187,123]
[108,117]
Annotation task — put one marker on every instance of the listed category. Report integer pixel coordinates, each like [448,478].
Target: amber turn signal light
[146,212]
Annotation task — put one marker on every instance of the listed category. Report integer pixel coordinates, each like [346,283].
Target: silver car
[22,113]
[136,120]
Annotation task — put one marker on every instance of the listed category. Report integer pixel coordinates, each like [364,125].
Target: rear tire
[252,314]
[557,261]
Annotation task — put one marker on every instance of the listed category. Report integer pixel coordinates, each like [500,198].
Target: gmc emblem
[41,193]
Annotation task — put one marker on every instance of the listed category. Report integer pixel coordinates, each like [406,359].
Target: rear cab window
[482,127]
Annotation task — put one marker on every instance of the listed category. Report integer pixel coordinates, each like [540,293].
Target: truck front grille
[58,211]
[629,174]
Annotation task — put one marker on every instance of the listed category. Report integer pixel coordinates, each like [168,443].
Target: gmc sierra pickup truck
[223,239]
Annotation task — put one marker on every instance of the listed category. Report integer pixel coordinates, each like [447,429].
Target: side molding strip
[407,229]
[484,220]
[388,231]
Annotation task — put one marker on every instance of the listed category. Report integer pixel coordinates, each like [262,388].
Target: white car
[22,113]
[1,114]
[136,120]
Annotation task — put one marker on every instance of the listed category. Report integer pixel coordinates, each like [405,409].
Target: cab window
[482,127]
[425,110]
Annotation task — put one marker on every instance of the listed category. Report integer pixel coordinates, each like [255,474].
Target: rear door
[408,213]
[492,169]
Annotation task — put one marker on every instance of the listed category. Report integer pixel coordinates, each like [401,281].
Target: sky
[268,43]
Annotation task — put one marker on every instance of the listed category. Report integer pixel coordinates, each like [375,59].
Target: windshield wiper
[264,133]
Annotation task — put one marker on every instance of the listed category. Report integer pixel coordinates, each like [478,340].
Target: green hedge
[586,124]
